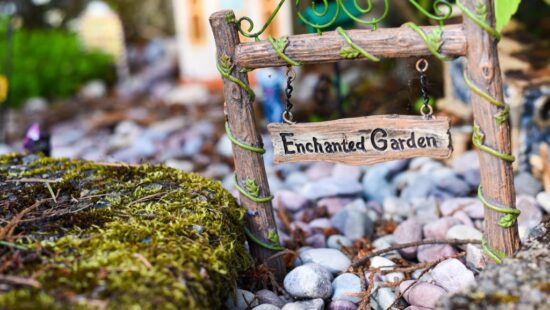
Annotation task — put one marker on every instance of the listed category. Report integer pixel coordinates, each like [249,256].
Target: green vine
[478,138]
[503,115]
[251,191]
[225,67]
[272,237]
[479,17]
[495,255]
[279,45]
[240,144]
[433,40]
[439,15]
[354,50]
[510,215]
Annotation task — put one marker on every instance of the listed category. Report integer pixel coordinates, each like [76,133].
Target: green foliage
[121,237]
[504,10]
[50,64]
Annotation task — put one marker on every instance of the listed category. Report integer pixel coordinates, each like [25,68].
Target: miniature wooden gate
[476,39]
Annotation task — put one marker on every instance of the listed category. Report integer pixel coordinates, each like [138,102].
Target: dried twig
[7,231]
[395,247]
[13,280]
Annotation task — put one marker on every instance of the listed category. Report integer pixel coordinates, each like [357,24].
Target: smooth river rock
[408,231]
[421,294]
[345,284]
[308,281]
[331,259]
[452,275]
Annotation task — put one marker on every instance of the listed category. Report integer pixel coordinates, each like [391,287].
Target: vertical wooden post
[248,165]
[497,179]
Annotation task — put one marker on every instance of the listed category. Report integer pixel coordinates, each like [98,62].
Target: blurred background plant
[50,63]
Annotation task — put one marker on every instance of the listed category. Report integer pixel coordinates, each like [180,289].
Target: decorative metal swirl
[256,35]
[341,5]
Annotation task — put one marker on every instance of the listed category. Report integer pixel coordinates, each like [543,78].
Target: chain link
[287,114]
[422,67]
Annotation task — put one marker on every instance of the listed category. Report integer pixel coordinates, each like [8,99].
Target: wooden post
[497,179]
[248,165]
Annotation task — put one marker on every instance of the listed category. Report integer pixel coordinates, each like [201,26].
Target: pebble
[327,187]
[342,305]
[375,185]
[431,252]
[345,284]
[244,299]
[268,297]
[531,215]
[421,294]
[463,218]
[331,259]
[447,180]
[464,232]
[474,257]
[353,221]
[290,200]
[316,240]
[333,204]
[224,147]
[381,262]
[346,172]
[383,242]
[420,187]
[266,307]
[319,170]
[320,224]
[417,308]
[452,275]
[296,179]
[393,206]
[383,298]
[438,229]
[543,199]
[314,304]
[527,184]
[337,241]
[183,165]
[308,281]
[408,231]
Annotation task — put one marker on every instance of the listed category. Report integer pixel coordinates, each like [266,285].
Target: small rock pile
[336,214]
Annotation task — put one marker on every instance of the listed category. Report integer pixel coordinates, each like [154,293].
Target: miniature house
[197,51]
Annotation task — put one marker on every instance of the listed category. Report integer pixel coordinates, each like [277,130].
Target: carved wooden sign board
[362,140]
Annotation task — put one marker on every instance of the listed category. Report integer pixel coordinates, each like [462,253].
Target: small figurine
[36,141]
[272,81]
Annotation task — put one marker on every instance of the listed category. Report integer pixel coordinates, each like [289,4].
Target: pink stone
[438,229]
[408,231]
[421,294]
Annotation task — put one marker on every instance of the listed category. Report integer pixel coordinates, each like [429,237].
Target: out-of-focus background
[136,81]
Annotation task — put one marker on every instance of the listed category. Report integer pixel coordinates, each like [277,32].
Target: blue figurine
[272,81]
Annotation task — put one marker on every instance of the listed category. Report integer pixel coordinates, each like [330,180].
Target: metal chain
[422,67]
[287,114]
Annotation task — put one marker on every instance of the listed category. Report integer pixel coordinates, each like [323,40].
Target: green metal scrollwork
[256,35]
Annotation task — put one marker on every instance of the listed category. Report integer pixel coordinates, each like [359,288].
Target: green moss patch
[80,235]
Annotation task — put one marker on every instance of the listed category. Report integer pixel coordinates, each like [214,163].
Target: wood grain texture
[383,42]
[497,179]
[362,140]
[248,165]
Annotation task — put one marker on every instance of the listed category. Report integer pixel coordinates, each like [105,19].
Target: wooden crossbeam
[383,42]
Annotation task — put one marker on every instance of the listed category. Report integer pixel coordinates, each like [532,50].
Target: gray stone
[527,184]
[268,297]
[376,185]
[463,218]
[421,187]
[467,161]
[224,147]
[464,232]
[393,206]
[309,281]
[431,252]
[342,171]
[333,204]
[331,259]
[447,180]
[290,200]
[452,275]
[337,241]
[342,305]
[345,284]
[319,170]
[353,221]
[438,229]
[421,294]
[266,307]
[241,301]
[327,187]
[313,304]
[543,199]
[383,298]
[408,231]
[383,242]
[316,240]
[474,257]
[296,179]
[531,215]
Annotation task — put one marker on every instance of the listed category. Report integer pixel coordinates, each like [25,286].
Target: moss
[118,237]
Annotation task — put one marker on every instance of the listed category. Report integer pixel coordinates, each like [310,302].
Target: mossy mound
[115,237]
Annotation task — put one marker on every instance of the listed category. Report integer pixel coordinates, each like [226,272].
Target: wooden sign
[362,140]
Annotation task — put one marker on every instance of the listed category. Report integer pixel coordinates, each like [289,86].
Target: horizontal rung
[383,42]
